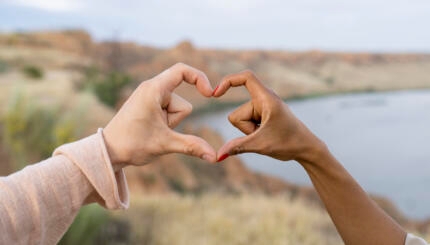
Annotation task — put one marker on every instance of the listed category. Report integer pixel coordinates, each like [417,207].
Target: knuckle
[238,125]
[190,148]
[272,99]
[202,75]
[249,74]
[237,150]
[232,118]
[196,77]
[275,95]
[226,78]
[144,89]
[179,65]
[160,142]
[144,85]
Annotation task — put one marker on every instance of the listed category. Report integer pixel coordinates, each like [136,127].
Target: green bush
[107,87]
[330,80]
[31,131]
[33,72]
[86,226]
[109,90]
[115,232]
[177,185]
[3,66]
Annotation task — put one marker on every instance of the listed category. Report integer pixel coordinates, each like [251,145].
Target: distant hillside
[290,74]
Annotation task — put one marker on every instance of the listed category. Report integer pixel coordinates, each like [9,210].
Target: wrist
[115,156]
[314,153]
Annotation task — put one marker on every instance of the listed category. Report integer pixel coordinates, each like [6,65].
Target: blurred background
[356,72]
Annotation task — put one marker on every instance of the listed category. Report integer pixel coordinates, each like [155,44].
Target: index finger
[246,78]
[175,75]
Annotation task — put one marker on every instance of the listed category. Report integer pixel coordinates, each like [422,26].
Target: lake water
[383,139]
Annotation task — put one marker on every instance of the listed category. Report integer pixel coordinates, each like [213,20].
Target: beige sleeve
[413,240]
[39,203]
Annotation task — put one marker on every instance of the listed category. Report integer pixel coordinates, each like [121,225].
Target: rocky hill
[290,74]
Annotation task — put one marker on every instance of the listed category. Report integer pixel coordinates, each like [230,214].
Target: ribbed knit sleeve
[40,202]
[413,240]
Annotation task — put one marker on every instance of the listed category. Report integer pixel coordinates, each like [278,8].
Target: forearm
[357,218]
[38,203]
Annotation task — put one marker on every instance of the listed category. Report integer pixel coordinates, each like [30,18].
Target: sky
[333,25]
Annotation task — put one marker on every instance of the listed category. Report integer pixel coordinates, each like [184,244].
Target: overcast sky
[342,25]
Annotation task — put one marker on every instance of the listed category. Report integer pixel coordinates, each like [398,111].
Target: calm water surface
[383,139]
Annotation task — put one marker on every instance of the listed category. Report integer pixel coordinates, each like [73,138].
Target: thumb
[191,145]
[235,146]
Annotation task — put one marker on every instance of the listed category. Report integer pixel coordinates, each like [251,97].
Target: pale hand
[142,129]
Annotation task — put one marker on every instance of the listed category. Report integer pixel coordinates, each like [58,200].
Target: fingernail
[206,157]
[216,88]
[223,157]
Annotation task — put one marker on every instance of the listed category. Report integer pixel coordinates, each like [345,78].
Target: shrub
[3,66]
[330,80]
[86,226]
[148,178]
[31,131]
[114,232]
[177,185]
[108,87]
[33,72]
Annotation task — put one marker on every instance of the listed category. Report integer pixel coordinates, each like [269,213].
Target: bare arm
[357,218]
[273,130]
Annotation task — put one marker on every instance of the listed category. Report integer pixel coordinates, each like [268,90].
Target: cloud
[379,25]
[49,5]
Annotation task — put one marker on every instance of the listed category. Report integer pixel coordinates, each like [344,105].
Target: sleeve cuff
[413,240]
[91,157]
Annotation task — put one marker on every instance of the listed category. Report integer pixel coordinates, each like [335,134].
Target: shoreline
[216,106]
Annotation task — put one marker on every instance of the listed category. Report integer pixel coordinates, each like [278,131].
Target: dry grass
[214,219]
[55,88]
